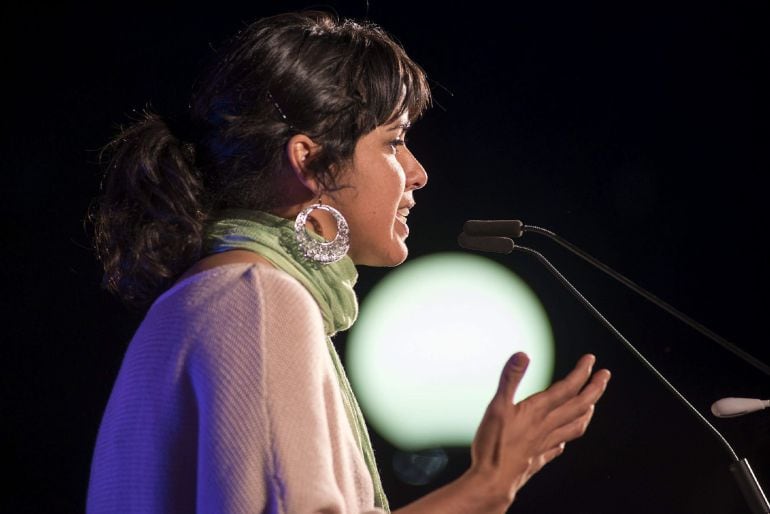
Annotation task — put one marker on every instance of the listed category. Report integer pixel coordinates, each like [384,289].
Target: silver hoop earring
[325,252]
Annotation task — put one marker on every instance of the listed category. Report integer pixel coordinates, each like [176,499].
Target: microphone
[505,228]
[485,244]
[732,407]
[740,468]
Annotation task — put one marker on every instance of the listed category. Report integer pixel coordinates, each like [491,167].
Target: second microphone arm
[515,229]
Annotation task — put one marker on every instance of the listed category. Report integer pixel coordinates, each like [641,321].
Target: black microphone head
[502,228]
[485,244]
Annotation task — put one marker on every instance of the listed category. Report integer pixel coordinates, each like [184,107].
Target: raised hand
[515,440]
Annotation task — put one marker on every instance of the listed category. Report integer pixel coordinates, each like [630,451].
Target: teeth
[403,212]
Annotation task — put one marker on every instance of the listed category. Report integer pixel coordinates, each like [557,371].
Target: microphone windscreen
[730,407]
[502,228]
[485,244]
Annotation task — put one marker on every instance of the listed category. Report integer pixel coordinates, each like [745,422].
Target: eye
[396,143]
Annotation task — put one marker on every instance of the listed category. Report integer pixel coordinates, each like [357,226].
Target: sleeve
[273,434]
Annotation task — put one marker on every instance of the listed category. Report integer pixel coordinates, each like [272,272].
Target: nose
[416,176]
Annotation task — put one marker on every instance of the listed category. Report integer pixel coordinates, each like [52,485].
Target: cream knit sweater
[227,402]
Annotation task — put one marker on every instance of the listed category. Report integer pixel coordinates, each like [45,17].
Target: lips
[403,212]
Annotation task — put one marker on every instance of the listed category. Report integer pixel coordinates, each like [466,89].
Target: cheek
[385,191]
[396,179]
[378,193]
[392,193]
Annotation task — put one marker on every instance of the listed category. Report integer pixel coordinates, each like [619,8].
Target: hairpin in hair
[278,108]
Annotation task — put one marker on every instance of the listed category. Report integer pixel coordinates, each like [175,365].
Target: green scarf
[331,285]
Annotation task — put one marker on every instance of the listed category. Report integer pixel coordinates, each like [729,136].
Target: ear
[300,150]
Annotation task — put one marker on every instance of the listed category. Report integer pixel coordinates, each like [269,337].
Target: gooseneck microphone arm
[483,244]
[631,348]
[740,468]
[515,228]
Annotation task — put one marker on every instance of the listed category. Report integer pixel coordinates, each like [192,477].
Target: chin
[388,258]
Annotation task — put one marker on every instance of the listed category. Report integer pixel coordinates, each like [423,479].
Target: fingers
[546,457]
[554,452]
[580,404]
[569,386]
[485,445]
[512,374]
[572,430]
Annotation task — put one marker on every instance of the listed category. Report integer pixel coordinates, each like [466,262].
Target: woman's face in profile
[382,178]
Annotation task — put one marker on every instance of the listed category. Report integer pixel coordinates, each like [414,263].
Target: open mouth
[402,214]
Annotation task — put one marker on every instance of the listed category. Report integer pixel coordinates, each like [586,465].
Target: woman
[245,237]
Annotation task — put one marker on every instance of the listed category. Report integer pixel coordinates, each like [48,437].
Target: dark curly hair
[311,73]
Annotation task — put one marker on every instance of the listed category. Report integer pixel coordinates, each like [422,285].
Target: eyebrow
[401,126]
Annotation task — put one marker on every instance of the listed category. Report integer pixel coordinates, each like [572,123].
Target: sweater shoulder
[242,280]
[235,303]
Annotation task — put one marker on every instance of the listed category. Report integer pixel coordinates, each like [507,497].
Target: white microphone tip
[732,407]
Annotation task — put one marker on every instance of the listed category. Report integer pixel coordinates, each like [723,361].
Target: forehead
[402,122]
[389,129]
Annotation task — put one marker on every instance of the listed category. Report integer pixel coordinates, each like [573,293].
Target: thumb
[512,374]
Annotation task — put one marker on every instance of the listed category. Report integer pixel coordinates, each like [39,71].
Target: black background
[638,131]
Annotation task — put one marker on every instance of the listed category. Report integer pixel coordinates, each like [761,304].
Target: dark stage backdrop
[637,130]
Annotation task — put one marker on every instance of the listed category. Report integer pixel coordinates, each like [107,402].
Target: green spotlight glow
[431,339]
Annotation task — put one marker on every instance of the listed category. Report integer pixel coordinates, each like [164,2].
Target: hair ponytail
[148,221]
